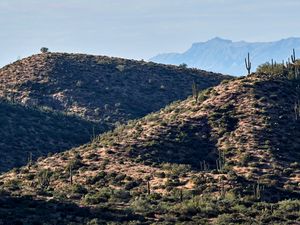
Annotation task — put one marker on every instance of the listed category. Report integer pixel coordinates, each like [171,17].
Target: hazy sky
[138,28]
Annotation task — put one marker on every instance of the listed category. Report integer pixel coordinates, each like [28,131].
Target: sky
[138,29]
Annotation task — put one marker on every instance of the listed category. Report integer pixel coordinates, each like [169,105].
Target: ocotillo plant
[248,64]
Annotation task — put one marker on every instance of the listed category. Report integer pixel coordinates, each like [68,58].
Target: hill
[55,101]
[227,155]
[226,56]
[27,133]
[99,88]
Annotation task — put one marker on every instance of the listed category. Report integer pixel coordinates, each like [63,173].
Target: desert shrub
[120,68]
[101,176]
[75,164]
[274,69]
[30,176]
[196,205]
[120,195]
[160,174]
[173,182]
[183,65]
[245,159]
[79,189]
[119,178]
[13,184]
[227,218]
[198,180]
[142,205]
[43,178]
[176,169]
[100,196]
[94,222]
[295,165]
[104,164]
[131,184]
[44,50]
[289,205]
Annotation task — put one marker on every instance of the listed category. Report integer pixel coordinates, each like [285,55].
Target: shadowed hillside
[28,133]
[29,211]
[97,87]
[229,154]
[100,89]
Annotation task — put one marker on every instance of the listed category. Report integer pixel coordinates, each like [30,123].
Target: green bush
[99,197]
[275,69]
[79,189]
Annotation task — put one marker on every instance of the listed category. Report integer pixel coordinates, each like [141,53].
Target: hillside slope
[231,156]
[99,88]
[28,133]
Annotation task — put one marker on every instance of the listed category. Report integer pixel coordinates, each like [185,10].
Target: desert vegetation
[52,102]
[228,154]
[218,157]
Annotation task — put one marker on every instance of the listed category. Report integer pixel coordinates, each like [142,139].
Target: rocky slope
[228,155]
[99,90]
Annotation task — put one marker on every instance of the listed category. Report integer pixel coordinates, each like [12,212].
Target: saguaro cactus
[258,190]
[297,110]
[181,194]
[222,189]
[293,56]
[29,160]
[148,188]
[248,64]
[204,166]
[220,162]
[71,174]
[272,63]
[195,91]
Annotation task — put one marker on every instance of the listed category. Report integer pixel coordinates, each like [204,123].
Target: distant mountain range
[226,56]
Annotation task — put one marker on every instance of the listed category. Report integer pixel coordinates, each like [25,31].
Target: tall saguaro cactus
[29,160]
[293,56]
[71,174]
[220,162]
[195,91]
[297,110]
[148,188]
[248,63]
[294,66]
